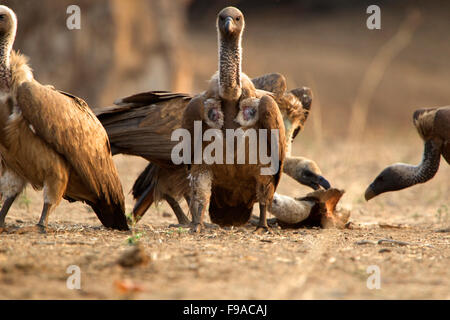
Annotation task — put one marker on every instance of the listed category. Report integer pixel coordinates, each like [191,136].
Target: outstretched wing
[142,124]
[68,125]
[270,118]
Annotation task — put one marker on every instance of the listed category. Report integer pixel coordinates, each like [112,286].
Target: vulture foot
[273,222]
[196,227]
[34,229]
[262,230]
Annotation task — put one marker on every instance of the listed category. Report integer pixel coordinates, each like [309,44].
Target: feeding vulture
[231,102]
[53,141]
[142,124]
[433,125]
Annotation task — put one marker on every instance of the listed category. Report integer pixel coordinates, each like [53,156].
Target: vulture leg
[54,190]
[43,221]
[5,208]
[201,193]
[262,224]
[182,219]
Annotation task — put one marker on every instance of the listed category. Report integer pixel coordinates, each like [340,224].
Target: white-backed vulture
[53,141]
[231,102]
[315,209]
[137,125]
[433,126]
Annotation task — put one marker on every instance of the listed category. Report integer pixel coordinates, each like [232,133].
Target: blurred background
[366,83]
[125,47]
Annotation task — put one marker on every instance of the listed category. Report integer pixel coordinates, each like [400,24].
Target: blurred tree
[123,46]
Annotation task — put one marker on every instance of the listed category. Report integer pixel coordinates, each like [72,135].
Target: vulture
[231,102]
[53,141]
[316,209]
[11,185]
[142,124]
[433,126]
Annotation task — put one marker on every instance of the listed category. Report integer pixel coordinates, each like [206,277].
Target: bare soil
[235,263]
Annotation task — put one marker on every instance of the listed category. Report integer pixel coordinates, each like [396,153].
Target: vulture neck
[427,168]
[6,43]
[230,56]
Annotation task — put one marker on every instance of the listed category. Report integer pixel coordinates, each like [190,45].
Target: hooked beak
[316,182]
[324,183]
[229,25]
[369,194]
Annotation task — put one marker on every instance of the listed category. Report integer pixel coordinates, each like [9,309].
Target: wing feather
[270,118]
[68,125]
[273,82]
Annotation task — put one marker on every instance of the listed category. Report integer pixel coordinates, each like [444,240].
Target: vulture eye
[2,16]
[307,174]
[238,18]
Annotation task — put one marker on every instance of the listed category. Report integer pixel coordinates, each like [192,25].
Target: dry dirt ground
[237,264]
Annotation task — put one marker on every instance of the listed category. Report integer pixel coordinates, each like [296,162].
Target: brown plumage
[232,189]
[433,125]
[52,140]
[141,125]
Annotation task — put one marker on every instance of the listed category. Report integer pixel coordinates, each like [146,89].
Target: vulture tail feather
[111,215]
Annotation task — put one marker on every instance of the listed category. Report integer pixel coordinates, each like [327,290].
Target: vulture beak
[229,25]
[314,181]
[324,183]
[369,193]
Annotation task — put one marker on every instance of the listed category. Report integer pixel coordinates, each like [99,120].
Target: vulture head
[307,172]
[230,23]
[297,109]
[312,179]
[8,23]
[395,177]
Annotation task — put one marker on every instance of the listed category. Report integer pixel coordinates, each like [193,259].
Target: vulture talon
[260,230]
[196,228]
[33,229]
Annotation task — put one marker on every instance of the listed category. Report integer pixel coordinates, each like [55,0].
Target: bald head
[8,22]
[230,22]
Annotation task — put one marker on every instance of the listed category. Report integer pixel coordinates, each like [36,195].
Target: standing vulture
[433,125]
[141,125]
[53,141]
[231,102]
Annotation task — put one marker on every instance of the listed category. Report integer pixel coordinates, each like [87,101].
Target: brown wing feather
[442,129]
[273,82]
[150,97]
[192,113]
[68,125]
[144,129]
[270,118]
